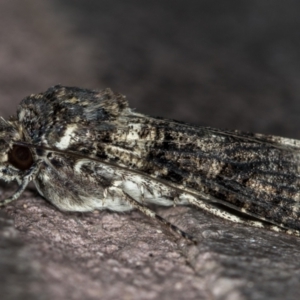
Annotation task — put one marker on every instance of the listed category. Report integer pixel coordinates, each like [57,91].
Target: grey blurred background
[229,64]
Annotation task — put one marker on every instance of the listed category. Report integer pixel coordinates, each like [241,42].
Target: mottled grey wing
[254,174]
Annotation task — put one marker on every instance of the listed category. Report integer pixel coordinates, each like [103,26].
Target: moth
[88,150]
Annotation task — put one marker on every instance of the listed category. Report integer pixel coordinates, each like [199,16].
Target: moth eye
[20,157]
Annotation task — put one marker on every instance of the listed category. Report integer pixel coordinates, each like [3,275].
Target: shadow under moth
[87,150]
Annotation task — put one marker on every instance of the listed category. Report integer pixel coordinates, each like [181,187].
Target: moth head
[14,157]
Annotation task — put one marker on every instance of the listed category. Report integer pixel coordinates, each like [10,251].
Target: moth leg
[27,177]
[150,213]
[142,193]
[176,201]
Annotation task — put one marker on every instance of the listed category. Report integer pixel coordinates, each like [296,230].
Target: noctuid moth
[87,150]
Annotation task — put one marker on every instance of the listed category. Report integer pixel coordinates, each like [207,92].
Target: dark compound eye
[20,157]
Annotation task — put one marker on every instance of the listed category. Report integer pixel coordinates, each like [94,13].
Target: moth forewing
[88,150]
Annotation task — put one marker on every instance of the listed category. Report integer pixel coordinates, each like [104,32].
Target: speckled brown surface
[230,65]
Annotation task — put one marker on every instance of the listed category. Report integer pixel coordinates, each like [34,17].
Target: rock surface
[224,64]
